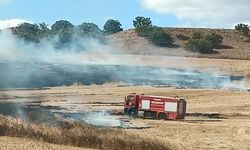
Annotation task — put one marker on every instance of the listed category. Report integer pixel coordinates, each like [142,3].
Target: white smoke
[2,2]
[102,118]
[8,23]
[33,61]
[80,51]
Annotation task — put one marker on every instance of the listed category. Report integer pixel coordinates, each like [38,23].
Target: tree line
[64,32]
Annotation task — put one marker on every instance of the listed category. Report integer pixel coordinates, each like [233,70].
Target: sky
[165,13]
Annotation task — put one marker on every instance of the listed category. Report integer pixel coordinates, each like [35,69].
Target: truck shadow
[196,117]
[211,115]
[202,120]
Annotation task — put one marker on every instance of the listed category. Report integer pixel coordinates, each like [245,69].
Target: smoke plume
[85,60]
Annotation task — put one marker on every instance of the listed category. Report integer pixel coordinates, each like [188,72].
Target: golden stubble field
[231,130]
[12,143]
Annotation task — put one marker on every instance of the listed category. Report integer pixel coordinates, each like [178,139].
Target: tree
[64,30]
[27,31]
[61,25]
[44,31]
[90,30]
[143,26]
[243,29]
[112,26]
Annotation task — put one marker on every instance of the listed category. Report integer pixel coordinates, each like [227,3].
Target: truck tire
[162,116]
[135,114]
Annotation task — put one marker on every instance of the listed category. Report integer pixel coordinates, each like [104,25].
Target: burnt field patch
[59,116]
[38,75]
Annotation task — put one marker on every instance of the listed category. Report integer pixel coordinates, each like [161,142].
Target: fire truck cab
[155,106]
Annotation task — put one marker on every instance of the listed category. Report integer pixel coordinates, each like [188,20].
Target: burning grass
[79,135]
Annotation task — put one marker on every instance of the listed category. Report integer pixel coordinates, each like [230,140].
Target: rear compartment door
[145,104]
[170,107]
[182,109]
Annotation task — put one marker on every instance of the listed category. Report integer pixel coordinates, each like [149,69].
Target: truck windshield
[129,98]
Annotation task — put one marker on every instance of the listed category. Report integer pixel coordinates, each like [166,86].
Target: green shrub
[215,39]
[182,37]
[161,38]
[197,35]
[144,31]
[204,43]
[199,45]
[243,29]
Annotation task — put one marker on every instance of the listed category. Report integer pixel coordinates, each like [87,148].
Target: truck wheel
[162,116]
[135,113]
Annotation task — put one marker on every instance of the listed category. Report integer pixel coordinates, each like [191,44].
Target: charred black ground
[58,116]
[37,75]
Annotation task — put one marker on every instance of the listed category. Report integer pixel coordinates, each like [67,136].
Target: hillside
[235,46]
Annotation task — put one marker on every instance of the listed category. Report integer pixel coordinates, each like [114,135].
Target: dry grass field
[13,143]
[229,130]
[75,135]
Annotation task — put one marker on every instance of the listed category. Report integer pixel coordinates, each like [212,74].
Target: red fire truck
[155,106]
